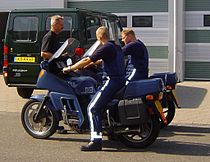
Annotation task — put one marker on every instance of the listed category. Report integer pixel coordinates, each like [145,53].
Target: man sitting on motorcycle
[113,59]
[137,63]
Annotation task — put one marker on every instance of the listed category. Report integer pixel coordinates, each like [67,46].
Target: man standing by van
[50,42]
[137,64]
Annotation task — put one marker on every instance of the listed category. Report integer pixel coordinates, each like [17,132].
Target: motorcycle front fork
[39,113]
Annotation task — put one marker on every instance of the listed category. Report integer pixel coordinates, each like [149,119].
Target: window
[142,21]
[206,20]
[92,24]
[123,21]
[66,32]
[107,24]
[25,29]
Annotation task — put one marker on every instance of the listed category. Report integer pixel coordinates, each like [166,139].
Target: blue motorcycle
[134,116]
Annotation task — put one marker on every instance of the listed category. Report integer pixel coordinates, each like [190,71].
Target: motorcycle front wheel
[45,126]
[145,134]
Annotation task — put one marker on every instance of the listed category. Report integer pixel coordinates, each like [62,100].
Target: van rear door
[23,39]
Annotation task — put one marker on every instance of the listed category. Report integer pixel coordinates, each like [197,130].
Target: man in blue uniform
[137,64]
[113,60]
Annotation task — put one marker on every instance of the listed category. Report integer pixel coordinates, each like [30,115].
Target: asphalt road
[177,142]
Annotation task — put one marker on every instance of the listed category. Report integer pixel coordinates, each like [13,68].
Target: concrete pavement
[194,97]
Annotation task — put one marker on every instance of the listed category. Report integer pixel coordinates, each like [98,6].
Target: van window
[66,32]
[25,28]
[107,24]
[92,24]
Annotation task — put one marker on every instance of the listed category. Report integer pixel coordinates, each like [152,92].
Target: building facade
[176,32]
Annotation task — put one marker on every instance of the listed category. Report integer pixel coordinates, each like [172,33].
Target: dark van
[24,33]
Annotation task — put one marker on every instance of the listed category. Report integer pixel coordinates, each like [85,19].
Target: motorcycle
[170,100]
[133,116]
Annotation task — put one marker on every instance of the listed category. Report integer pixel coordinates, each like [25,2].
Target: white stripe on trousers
[94,134]
[131,76]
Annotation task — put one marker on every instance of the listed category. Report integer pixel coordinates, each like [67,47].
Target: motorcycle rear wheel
[147,134]
[169,113]
[43,128]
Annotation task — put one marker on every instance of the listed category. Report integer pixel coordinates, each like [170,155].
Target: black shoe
[92,146]
[61,130]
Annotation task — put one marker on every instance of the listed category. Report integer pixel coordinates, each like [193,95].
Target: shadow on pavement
[164,144]
[190,97]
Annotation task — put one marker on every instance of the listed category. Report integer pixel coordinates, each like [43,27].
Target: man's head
[128,35]
[57,23]
[102,34]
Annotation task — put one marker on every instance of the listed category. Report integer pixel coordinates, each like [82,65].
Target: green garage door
[197,40]
[123,5]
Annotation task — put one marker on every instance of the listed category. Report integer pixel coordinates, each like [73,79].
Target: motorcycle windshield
[92,49]
[68,46]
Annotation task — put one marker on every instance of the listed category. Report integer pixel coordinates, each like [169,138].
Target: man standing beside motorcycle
[113,59]
[137,63]
[50,44]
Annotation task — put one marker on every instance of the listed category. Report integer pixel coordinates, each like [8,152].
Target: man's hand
[66,69]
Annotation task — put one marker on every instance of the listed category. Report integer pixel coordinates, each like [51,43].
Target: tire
[169,113]
[25,92]
[45,127]
[148,132]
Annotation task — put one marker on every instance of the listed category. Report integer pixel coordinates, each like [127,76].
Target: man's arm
[80,64]
[46,55]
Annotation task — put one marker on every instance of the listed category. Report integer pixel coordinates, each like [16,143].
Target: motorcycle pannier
[132,112]
[140,88]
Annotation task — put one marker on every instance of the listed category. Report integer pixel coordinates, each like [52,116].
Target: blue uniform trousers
[98,103]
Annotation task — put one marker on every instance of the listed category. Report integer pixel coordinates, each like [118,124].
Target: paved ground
[194,99]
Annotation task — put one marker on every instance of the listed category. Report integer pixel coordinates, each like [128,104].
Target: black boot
[95,145]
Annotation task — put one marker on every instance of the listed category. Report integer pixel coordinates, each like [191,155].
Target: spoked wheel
[169,112]
[142,135]
[45,126]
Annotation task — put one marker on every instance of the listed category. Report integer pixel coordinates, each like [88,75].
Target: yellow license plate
[24,59]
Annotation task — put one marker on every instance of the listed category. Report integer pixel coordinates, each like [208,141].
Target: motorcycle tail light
[149,97]
[79,51]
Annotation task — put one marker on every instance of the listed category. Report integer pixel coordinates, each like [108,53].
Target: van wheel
[25,92]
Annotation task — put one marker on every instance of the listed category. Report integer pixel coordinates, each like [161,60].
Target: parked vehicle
[25,30]
[170,100]
[133,116]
